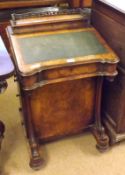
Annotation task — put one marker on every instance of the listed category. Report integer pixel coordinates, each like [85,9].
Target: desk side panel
[63,108]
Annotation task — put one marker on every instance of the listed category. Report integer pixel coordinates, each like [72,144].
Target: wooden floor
[70,156]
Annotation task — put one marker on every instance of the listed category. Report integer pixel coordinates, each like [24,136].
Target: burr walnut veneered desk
[60,63]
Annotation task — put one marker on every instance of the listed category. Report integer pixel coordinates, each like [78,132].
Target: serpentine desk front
[60,64]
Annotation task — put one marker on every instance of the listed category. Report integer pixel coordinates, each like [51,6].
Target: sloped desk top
[45,50]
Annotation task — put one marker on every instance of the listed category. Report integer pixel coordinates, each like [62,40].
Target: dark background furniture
[32,3]
[109,20]
[6,70]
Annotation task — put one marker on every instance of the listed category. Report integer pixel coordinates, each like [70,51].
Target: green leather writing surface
[57,46]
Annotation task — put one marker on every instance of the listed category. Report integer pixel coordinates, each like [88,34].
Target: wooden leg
[35,161]
[2,130]
[98,130]
[3,86]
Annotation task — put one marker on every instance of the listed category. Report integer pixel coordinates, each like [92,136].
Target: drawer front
[68,73]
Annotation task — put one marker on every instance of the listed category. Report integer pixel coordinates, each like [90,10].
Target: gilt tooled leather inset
[57,46]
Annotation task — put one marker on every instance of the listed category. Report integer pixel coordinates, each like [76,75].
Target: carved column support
[36,161]
[98,130]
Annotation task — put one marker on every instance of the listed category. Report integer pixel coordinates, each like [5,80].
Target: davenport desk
[60,63]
